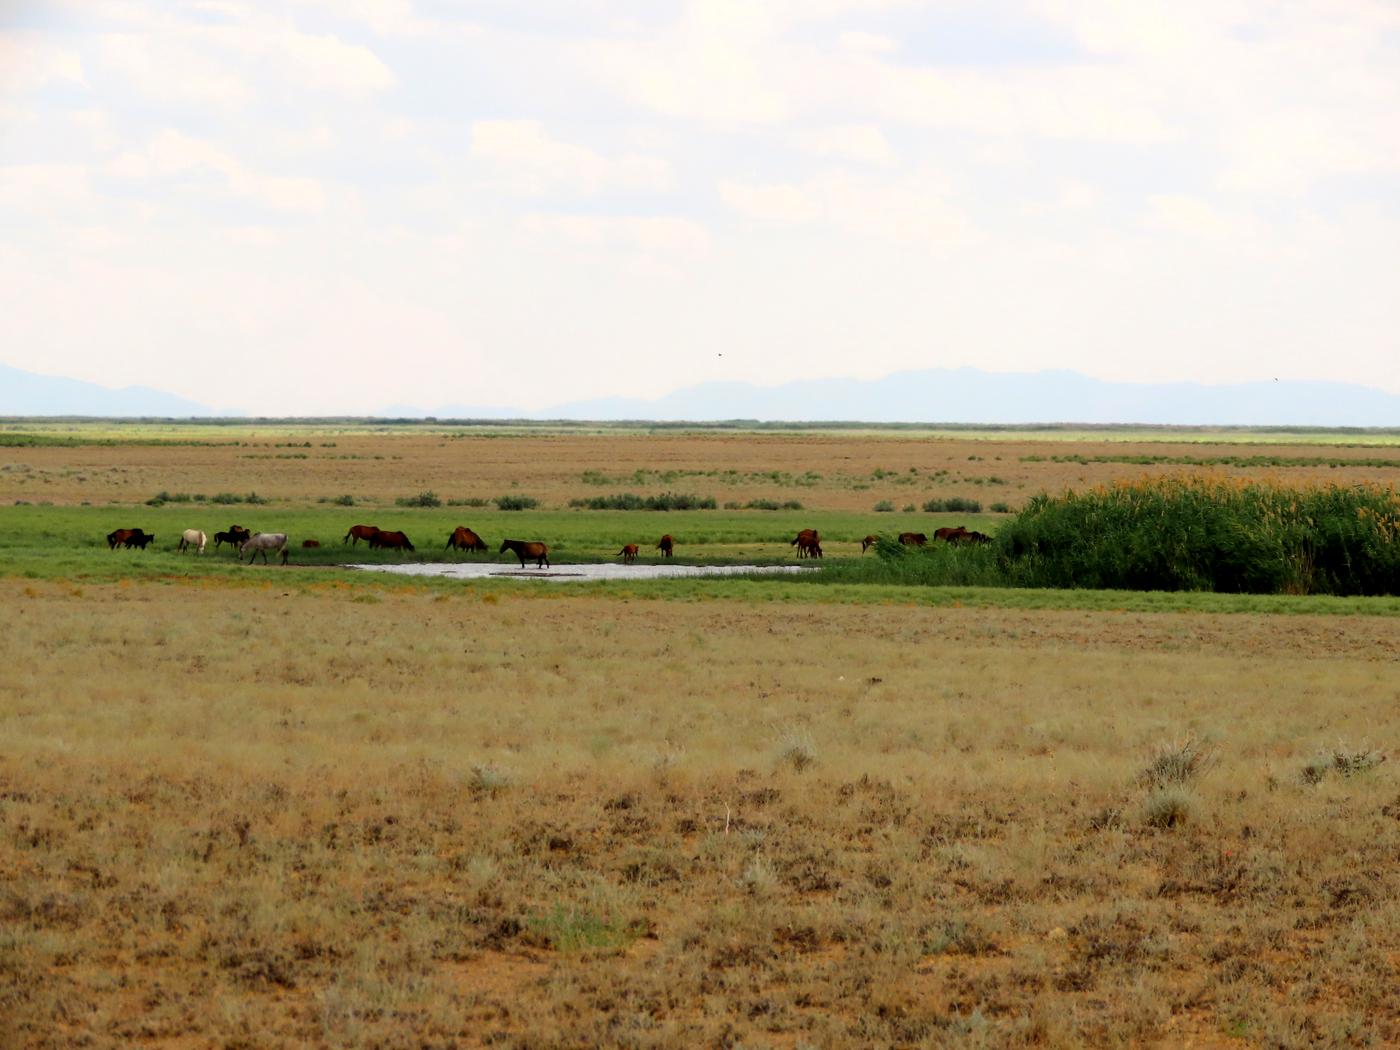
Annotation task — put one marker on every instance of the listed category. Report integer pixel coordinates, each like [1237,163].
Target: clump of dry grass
[796,749]
[1178,763]
[1342,760]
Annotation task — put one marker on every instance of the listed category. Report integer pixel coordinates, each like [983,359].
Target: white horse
[192,538]
[264,542]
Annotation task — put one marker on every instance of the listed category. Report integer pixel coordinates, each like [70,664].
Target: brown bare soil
[838,471]
[334,816]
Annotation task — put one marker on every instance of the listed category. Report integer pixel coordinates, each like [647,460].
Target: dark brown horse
[970,537]
[629,553]
[808,544]
[394,541]
[527,550]
[868,542]
[235,537]
[951,535]
[463,539]
[358,533]
[913,539]
[666,545]
[118,538]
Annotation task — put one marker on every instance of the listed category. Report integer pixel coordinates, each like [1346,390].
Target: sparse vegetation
[316,846]
[516,503]
[631,501]
[952,505]
[427,498]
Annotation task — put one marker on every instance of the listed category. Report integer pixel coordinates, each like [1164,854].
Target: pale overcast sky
[336,205]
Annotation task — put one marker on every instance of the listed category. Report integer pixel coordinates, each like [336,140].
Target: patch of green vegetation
[631,501]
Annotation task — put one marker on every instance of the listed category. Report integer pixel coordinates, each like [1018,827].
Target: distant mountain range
[970,395]
[29,394]
[940,395]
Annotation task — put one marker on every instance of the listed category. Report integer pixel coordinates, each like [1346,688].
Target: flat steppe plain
[256,807]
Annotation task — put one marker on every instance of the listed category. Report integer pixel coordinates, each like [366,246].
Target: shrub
[488,780]
[1000,508]
[795,748]
[470,501]
[952,505]
[428,498]
[516,503]
[884,507]
[1177,763]
[344,500]
[1169,807]
[226,497]
[632,501]
[1343,761]
[1185,533]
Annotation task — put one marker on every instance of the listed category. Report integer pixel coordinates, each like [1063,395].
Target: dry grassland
[837,471]
[267,817]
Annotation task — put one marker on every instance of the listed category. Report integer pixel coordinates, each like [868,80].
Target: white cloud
[864,143]
[664,237]
[527,160]
[29,188]
[913,209]
[28,61]
[226,63]
[171,154]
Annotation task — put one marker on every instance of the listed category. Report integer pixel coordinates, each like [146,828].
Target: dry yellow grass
[259,817]
[856,469]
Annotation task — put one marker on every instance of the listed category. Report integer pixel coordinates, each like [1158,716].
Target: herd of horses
[243,541]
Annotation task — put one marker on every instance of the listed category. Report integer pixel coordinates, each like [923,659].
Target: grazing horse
[666,545]
[970,537]
[808,544]
[119,537]
[137,538]
[192,538]
[868,542]
[235,537]
[526,550]
[629,553]
[261,543]
[310,543]
[913,539]
[396,541]
[358,533]
[950,535]
[463,539]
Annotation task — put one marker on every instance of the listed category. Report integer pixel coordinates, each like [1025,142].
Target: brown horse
[666,545]
[527,549]
[629,553]
[913,539]
[358,533]
[118,538]
[463,539]
[951,535]
[868,542]
[808,544]
[235,537]
[971,537]
[394,541]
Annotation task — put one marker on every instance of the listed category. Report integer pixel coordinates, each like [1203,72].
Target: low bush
[428,498]
[632,501]
[516,503]
[884,507]
[952,505]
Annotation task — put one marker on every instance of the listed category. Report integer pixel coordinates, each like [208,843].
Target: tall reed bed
[1197,533]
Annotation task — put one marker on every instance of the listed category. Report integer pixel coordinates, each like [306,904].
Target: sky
[331,206]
